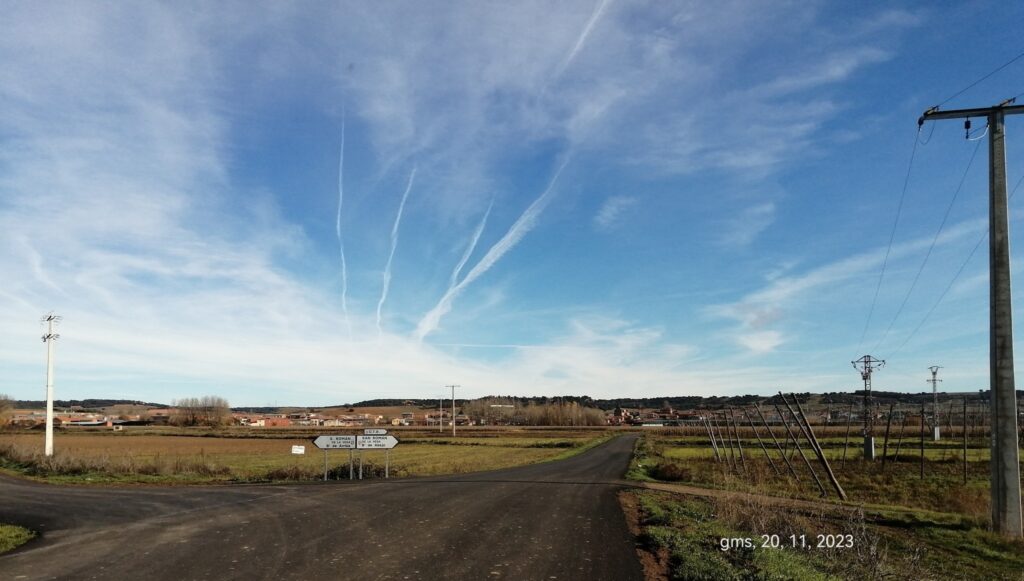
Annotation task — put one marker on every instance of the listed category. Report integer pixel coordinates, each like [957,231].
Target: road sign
[298,449]
[376,442]
[335,442]
[375,431]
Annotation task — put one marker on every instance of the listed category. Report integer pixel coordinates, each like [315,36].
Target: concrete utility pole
[935,381]
[1005,464]
[453,407]
[866,365]
[50,338]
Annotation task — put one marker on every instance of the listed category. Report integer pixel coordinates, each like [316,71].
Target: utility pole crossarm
[934,114]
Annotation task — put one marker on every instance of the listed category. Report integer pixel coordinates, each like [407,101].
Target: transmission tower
[867,365]
[50,338]
[935,381]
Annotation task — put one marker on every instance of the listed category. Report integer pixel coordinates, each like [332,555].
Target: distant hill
[85,403]
[386,403]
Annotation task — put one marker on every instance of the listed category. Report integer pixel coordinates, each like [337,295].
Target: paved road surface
[558,520]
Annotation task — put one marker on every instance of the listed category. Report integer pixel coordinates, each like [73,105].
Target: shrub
[670,472]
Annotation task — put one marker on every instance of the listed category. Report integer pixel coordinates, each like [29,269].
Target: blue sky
[609,198]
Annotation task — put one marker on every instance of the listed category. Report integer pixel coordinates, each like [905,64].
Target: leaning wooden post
[965,440]
[899,442]
[846,444]
[922,441]
[728,459]
[885,443]
[817,447]
[949,417]
[739,446]
[800,451]
[714,446]
[777,445]
[758,436]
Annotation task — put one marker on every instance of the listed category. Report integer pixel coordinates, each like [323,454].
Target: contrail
[520,228]
[391,255]
[472,246]
[337,228]
[598,12]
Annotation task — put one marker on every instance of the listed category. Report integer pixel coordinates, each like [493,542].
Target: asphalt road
[558,520]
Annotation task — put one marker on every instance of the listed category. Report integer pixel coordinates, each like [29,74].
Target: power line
[892,235]
[928,254]
[975,83]
[951,282]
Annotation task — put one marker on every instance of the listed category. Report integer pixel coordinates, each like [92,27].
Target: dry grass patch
[124,457]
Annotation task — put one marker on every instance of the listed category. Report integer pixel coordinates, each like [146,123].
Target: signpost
[326,443]
[371,439]
[377,441]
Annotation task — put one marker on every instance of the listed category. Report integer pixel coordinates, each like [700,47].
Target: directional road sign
[376,442]
[375,431]
[335,442]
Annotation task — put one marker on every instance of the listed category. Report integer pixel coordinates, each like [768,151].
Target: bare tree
[6,408]
[208,410]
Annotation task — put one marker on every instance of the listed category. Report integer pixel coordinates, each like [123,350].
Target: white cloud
[611,210]
[748,224]
[119,209]
[768,306]
[760,342]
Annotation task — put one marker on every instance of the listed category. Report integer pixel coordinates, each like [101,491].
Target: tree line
[209,410]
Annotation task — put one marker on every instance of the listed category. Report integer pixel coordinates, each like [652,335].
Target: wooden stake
[739,446]
[796,444]
[729,459]
[758,436]
[965,440]
[885,444]
[711,437]
[846,445]
[949,417]
[809,434]
[777,445]
[899,443]
[922,441]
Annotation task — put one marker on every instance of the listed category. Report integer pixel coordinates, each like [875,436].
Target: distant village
[495,414]
[396,416]
[490,411]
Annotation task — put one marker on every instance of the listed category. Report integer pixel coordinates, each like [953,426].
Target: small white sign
[375,432]
[298,449]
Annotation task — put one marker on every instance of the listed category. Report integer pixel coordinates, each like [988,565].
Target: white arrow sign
[335,442]
[375,431]
[376,442]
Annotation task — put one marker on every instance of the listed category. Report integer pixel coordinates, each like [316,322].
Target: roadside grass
[91,457]
[906,526]
[12,537]
[695,538]
[898,482]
